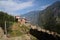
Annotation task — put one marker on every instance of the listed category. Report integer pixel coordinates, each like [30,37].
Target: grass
[20,30]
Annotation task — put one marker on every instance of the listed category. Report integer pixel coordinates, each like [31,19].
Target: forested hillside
[50,17]
[5,17]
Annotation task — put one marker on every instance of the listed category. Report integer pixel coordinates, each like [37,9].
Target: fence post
[5,28]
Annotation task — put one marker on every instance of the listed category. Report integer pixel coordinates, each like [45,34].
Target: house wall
[23,21]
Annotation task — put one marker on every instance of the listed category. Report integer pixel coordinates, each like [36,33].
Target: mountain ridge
[34,16]
[50,17]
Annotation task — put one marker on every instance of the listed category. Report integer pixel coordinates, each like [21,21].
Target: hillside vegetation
[17,29]
[20,31]
[5,17]
[50,17]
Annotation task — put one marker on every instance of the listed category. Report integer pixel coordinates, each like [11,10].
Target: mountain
[32,17]
[50,17]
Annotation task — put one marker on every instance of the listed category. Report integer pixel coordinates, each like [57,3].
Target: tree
[5,17]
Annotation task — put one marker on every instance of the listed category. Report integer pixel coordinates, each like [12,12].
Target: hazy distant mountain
[32,16]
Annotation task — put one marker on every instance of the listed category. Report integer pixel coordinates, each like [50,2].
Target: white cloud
[11,6]
[44,7]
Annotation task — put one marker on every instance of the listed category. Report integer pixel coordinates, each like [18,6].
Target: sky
[20,7]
